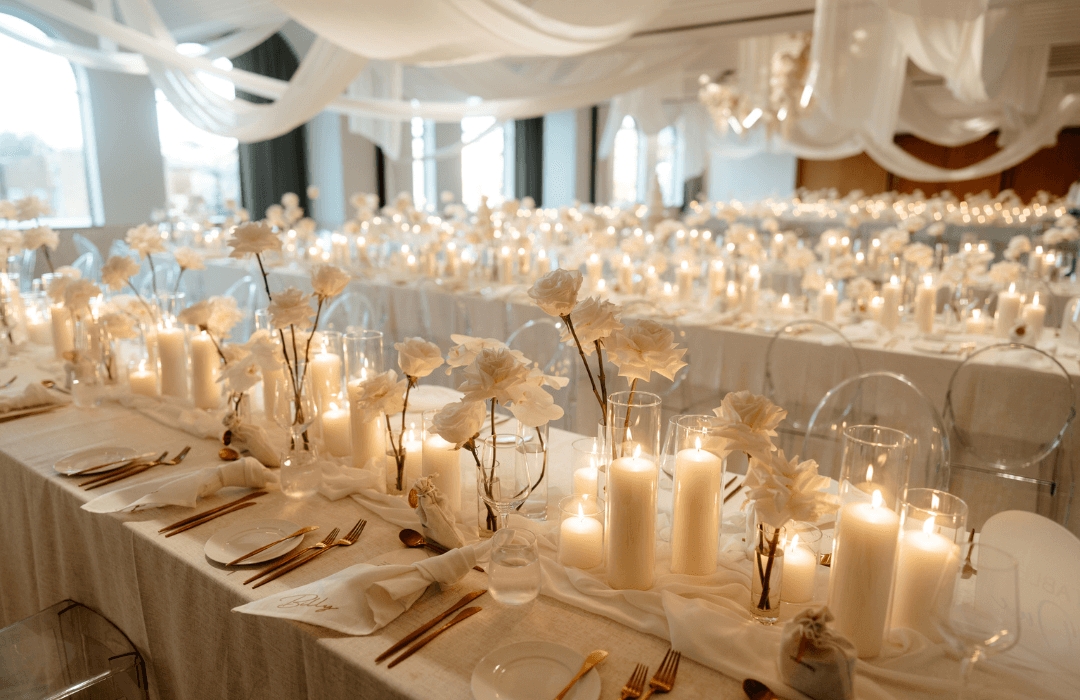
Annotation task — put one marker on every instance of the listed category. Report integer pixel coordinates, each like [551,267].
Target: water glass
[514,575]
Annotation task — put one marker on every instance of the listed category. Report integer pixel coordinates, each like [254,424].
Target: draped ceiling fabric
[949,71]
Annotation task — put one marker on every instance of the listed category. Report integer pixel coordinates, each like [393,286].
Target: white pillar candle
[1035,261]
[39,331]
[652,281]
[205,390]
[926,565]
[543,263]
[890,304]
[731,298]
[1008,310]
[272,387]
[414,459]
[63,331]
[695,527]
[827,301]
[585,480]
[594,270]
[717,277]
[751,290]
[337,430]
[864,555]
[926,305]
[876,305]
[800,570]
[173,357]
[631,532]
[785,307]
[326,377]
[506,266]
[143,381]
[976,323]
[1035,318]
[581,541]
[684,278]
[368,436]
[442,462]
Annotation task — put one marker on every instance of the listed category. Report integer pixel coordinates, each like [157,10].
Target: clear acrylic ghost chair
[69,651]
[889,400]
[86,266]
[84,246]
[246,292]
[352,311]
[791,350]
[120,247]
[1070,324]
[540,341]
[1008,409]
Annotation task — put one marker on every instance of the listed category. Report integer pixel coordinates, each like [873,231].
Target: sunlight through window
[482,161]
[624,163]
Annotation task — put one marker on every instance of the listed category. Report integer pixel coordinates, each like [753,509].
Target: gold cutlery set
[303,556]
[206,516]
[662,682]
[111,472]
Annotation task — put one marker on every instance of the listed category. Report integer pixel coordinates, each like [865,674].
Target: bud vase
[767,563]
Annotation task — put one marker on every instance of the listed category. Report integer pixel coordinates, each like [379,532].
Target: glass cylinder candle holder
[442,463]
[536,453]
[767,576]
[364,359]
[86,364]
[404,453]
[873,482]
[932,529]
[336,426]
[326,365]
[801,551]
[633,477]
[142,379]
[581,531]
[585,466]
[696,494]
[37,319]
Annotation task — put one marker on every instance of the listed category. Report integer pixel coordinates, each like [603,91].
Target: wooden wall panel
[855,173]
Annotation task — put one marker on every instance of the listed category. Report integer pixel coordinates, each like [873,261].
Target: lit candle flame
[697,444]
[580,512]
[928,526]
[637,449]
[935,501]
[876,500]
[870,472]
[795,541]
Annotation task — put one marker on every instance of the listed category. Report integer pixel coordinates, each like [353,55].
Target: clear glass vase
[536,453]
[301,473]
[767,575]
[86,364]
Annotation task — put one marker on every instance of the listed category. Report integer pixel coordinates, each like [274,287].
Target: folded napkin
[863,332]
[177,414]
[362,484]
[184,490]
[366,597]
[33,395]
[256,441]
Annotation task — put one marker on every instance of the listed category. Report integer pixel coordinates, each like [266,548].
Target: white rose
[40,236]
[198,314]
[750,422]
[240,375]
[145,240]
[329,280]
[533,406]
[783,490]
[594,319]
[78,293]
[57,286]
[377,395]
[188,259]
[466,349]
[459,422]
[117,271]
[224,315]
[920,255]
[1018,245]
[263,347]
[118,325]
[556,292]
[291,308]
[253,238]
[645,347]
[494,373]
[417,357]
[11,240]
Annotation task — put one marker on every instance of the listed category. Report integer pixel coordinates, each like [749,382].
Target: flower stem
[763,601]
[139,297]
[603,376]
[399,454]
[266,279]
[176,288]
[48,259]
[588,370]
[307,348]
[153,273]
[629,405]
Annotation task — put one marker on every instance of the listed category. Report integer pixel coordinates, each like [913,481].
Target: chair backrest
[120,247]
[885,399]
[541,341]
[84,246]
[88,267]
[246,292]
[352,311]
[1049,572]
[1007,409]
[676,392]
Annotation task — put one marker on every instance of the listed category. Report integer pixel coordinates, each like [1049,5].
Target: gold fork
[139,469]
[348,540]
[664,680]
[636,684]
[318,545]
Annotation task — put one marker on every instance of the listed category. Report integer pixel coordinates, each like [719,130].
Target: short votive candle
[581,531]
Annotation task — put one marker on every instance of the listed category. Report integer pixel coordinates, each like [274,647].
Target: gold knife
[407,639]
[197,523]
[467,612]
[259,550]
[200,516]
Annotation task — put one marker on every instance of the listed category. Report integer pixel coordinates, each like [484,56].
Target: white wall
[750,179]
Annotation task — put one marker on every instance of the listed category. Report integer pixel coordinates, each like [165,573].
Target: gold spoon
[414,540]
[590,661]
[50,384]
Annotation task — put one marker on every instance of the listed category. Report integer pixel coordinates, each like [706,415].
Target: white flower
[275,216]
[1018,245]
[377,395]
[8,210]
[813,280]
[242,215]
[1004,272]
[750,422]
[493,375]
[78,293]
[304,227]
[290,200]
[40,236]
[224,315]
[843,267]
[31,208]
[253,238]
[312,192]
[11,240]
[240,375]
[783,490]
[937,229]
[800,258]
[291,308]
[913,223]
[329,280]
[417,357]
[118,325]
[556,292]
[594,319]
[531,405]
[266,352]
[893,240]
[198,314]
[188,259]
[459,422]
[57,286]
[145,240]
[467,348]
[859,288]
[117,271]
[645,347]
[920,255]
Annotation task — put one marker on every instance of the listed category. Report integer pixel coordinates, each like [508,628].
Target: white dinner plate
[84,459]
[236,541]
[532,671]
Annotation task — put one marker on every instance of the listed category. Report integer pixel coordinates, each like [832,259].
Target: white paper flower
[1018,245]
[843,267]
[533,406]
[31,208]
[11,240]
[329,280]
[783,490]
[312,192]
[594,319]
[56,288]
[920,255]
[266,352]
[117,271]
[749,422]
[894,239]
[304,227]
[275,216]
[468,347]
[189,259]
[460,421]
[493,375]
[118,325]
[40,236]
[198,314]
[556,292]
[253,238]
[417,357]
[77,295]
[224,315]
[378,394]
[645,347]
[291,308]
[859,288]
[8,210]
[1005,272]
[145,240]
[290,200]
[240,375]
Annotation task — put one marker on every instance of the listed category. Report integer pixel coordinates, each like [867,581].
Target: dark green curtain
[269,169]
[529,159]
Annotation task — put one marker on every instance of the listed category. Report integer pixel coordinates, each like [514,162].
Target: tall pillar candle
[864,556]
[684,278]
[717,277]
[368,435]
[827,301]
[38,329]
[173,356]
[337,430]
[326,377]
[890,304]
[927,564]
[585,480]
[594,271]
[205,390]
[1035,317]
[63,331]
[1008,310]
[442,462]
[631,531]
[626,275]
[543,263]
[926,305]
[695,527]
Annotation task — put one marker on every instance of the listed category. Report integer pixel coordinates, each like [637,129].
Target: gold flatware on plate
[636,684]
[260,550]
[9,382]
[50,384]
[104,477]
[408,639]
[216,509]
[215,516]
[664,679]
[137,469]
[735,491]
[826,559]
[969,570]
[347,541]
[756,690]
[295,555]
[591,660]
[414,540]
[112,466]
[464,614]
[29,411]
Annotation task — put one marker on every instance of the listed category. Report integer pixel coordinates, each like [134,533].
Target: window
[42,149]
[669,165]
[423,167]
[202,170]
[625,159]
[483,165]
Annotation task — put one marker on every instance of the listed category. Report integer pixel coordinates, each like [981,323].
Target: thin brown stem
[588,370]
[153,273]
[763,601]
[399,454]
[266,279]
[176,287]
[139,297]
[48,259]
[602,374]
[629,406]
[307,348]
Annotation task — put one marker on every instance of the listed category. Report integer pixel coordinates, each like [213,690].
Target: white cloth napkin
[177,414]
[184,490]
[339,482]
[364,598]
[863,332]
[33,395]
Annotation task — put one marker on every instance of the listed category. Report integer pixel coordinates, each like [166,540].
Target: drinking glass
[514,575]
[980,615]
[503,480]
